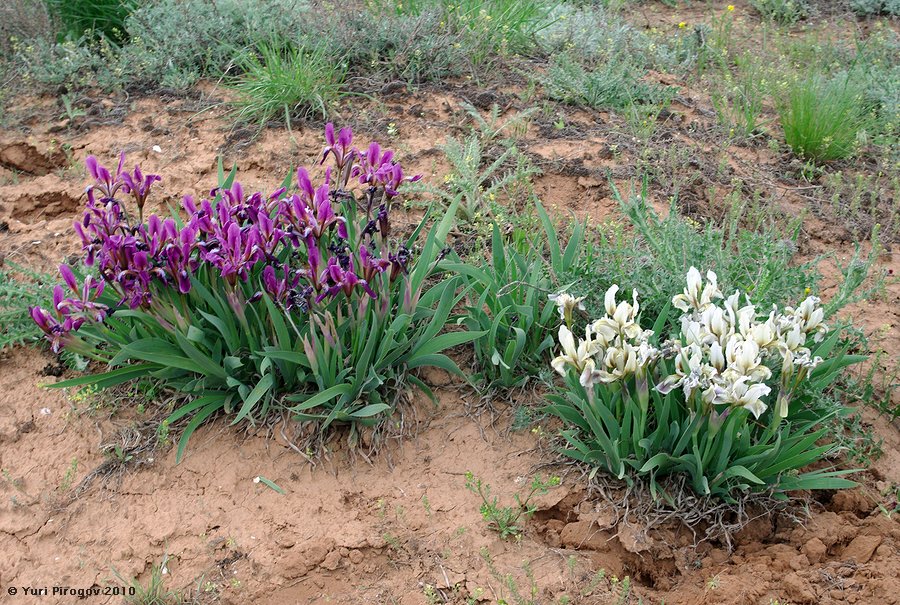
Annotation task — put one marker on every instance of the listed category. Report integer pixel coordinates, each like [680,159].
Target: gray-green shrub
[613,84]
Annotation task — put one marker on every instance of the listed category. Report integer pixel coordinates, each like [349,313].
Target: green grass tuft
[823,118]
[287,82]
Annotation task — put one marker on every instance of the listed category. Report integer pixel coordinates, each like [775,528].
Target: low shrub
[305,299]
[873,8]
[593,34]
[412,48]
[783,12]
[613,84]
[489,27]
[411,41]
[162,51]
[730,401]
[823,117]
[22,20]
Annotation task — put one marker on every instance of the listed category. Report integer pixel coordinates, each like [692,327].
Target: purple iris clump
[298,247]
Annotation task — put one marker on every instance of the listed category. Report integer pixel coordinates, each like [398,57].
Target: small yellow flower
[682,25]
[731,8]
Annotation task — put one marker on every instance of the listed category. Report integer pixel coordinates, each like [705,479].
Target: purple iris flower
[56,332]
[379,170]
[305,185]
[372,162]
[137,184]
[310,212]
[235,232]
[104,181]
[371,264]
[70,313]
[342,280]
[325,216]
[399,262]
[392,178]
[340,147]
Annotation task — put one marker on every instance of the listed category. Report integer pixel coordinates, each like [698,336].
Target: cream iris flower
[809,317]
[743,359]
[572,355]
[742,393]
[724,353]
[621,319]
[696,295]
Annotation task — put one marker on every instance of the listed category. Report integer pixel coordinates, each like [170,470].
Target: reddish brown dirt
[400,527]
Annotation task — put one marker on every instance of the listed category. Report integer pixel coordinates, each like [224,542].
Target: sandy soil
[399,528]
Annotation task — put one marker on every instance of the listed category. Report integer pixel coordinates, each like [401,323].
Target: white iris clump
[724,354]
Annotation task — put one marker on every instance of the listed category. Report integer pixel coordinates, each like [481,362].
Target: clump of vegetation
[872,8]
[484,167]
[22,20]
[93,17]
[304,298]
[154,592]
[162,51]
[510,302]
[475,185]
[146,45]
[739,98]
[410,47]
[506,520]
[823,118]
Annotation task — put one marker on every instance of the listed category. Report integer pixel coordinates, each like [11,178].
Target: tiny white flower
[157,148]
